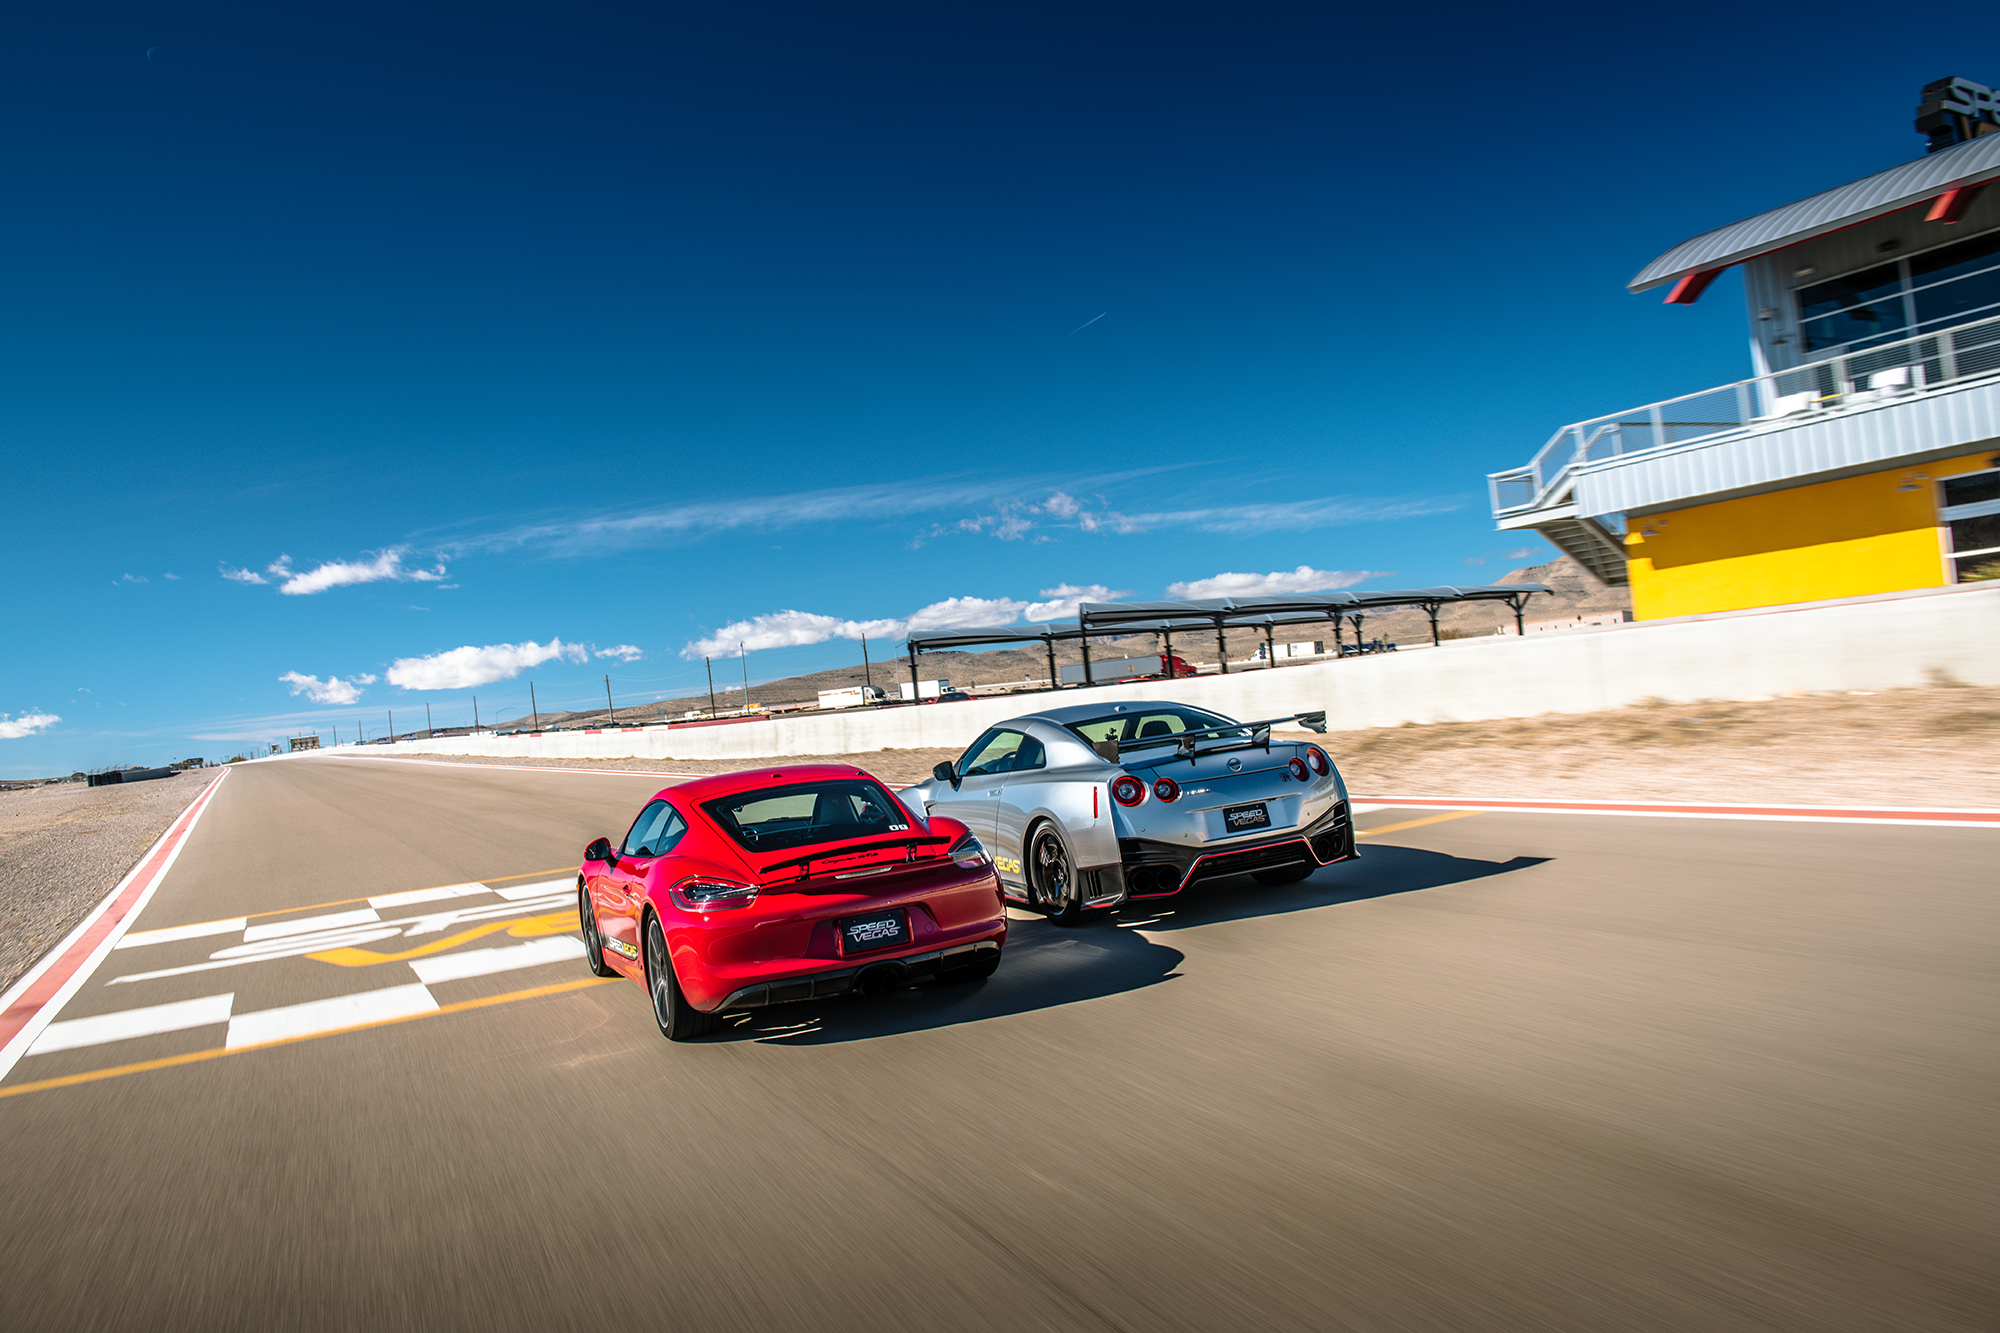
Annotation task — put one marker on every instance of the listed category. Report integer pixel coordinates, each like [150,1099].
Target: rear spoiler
[1186,741]
[768,876]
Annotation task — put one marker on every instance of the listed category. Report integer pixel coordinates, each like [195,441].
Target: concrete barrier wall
[1869,643]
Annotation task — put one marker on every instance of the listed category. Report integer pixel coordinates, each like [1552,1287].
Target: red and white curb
[1810,814]
[39,996]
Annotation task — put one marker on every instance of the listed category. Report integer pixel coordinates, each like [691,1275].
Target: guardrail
[1907,368]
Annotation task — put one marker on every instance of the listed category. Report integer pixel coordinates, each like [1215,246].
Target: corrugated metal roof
[1732,462]
[1969,163]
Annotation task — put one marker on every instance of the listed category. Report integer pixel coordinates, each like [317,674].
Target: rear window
[1149,724]
[807,814]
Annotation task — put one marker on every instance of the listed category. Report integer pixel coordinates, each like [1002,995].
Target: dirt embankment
[62,848]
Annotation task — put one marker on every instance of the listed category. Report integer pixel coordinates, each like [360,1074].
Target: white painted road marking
[536,890]
[485,962]
[150,1021]
[427,895]
[315,1016]
[274,929]
[133,939]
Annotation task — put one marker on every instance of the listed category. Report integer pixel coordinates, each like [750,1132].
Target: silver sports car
[1088,805]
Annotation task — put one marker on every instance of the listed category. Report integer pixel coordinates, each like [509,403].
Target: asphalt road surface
[1508,1071]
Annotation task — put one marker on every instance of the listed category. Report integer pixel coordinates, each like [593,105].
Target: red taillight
[1167,789]
[1317,758]
[1127,790]
[1298,767]
[701,894]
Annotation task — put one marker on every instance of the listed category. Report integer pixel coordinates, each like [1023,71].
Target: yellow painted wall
[1842,538]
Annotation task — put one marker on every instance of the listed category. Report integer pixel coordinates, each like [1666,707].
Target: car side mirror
[600,850]
[944,772]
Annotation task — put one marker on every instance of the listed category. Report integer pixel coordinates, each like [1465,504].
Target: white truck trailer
[854,696]
[926,689]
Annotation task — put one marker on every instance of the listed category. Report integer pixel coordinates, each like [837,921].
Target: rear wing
[1189,742]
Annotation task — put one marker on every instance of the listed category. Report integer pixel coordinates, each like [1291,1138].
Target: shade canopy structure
[1955,172]
[1049,635]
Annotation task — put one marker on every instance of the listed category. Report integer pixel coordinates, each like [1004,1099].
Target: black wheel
[1053,876]
[1282,875]
[593,947]
[678,1019]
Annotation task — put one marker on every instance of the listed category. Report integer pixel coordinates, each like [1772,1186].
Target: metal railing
[1910,368]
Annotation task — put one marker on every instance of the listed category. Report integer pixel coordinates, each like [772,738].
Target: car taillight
[699,894]
[1127,790]
[969,853]
[1298,767]
[1317,758]
[1167,789]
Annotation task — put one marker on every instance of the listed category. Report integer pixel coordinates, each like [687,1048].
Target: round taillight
[1298,767]
[1317,758]
[1167,789]
[1127,790]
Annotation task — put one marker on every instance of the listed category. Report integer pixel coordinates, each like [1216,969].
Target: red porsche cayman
[749,889]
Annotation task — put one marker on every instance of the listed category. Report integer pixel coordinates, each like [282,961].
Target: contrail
[1086,324]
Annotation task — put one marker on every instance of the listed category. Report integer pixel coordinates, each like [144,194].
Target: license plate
[1239,818]
[859,934]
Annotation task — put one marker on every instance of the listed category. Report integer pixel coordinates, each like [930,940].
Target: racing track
[1511,1070]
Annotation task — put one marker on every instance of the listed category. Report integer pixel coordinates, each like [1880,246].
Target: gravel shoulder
[63,848]
[1936,747]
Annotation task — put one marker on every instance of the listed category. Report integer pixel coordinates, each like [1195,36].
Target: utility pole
[427,719]
[866,678]
[746,676]
[475,715]
[392,725]
[534,707]
[607,699]
[710,668]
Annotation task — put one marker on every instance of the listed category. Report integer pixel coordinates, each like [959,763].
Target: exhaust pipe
[881,978]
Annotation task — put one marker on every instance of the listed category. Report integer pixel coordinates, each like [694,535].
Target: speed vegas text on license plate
[1237,818]
[878,930]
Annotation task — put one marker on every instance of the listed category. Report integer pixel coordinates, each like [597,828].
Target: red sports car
[748,889]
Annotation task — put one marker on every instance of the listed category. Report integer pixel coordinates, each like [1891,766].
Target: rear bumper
[959,959]
[1161,869]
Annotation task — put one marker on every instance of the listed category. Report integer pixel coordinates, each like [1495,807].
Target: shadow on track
[1047,966]
[1380,872]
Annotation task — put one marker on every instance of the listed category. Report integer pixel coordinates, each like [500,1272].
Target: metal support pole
[709,667]
[1055,680]
[1221,647]
[427,719]
[1432,609]
[392,724]
[607,699]
[916,695]
[1167,652]
[1083,642]
[866,678]
[1360,644]
[475,715]
[1334,616]
[1270,646]
[745,658]
[534,707]
[1518,602]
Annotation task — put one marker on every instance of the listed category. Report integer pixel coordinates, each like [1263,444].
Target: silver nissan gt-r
[1086,806]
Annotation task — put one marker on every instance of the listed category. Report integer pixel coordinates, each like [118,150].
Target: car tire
[1271,879]
[1052,877]
[678,1020]
[593,944]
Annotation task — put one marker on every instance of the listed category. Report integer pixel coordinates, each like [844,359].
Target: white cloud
[791,629]
[30,722]
[1303,579]
[462,668]
[135,578]
[242,575]
[1065,596]
[175,577]
[333,690]
[386,567]
[624,652]
[1522,553]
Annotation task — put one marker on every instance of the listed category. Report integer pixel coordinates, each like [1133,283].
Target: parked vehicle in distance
[950,697]
[1163,666]
[750,889]
[1088,805]
[925,689]
[854,696]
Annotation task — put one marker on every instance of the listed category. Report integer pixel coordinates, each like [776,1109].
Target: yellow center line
[196,1057]
[1416,823]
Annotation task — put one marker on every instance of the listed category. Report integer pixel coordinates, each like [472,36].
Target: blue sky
[420,352]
